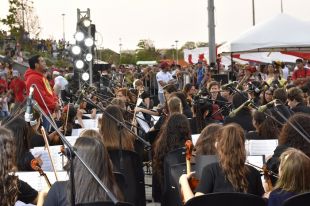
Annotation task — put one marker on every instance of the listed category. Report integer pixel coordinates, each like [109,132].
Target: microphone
[235,111]
[79,100]
[231,84]
[266,106]
[29,109]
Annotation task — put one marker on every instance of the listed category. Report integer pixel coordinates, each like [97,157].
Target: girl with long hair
[173,135]
[21,132]
[205,144]
[230,174]
[266,128]
[289,137]
[11,188]
[111,132]
[294,177]
[94,153]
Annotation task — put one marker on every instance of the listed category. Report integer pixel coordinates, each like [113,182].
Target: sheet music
[145,126]
[97,115]
[155,118]
[195,138]
[77,132]
[38,182]
[55,153]
[261,147]
[89,123]
[71,139]
[257,160]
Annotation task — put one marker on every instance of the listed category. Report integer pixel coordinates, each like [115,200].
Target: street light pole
[120,50]
[172,49]
[253,12]
[281,7]
[176,48]
[63,27]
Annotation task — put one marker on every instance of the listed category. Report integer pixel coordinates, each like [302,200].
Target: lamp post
[63,27]
[281,7]
[172,49]
[120,50]
[176,48]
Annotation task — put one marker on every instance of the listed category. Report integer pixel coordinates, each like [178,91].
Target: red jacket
[18,86]
[50,98]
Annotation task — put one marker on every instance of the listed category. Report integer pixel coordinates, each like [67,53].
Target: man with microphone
[34,75]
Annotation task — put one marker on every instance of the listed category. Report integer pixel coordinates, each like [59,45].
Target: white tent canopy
[281,33]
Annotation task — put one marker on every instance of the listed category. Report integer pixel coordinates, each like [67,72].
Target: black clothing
[24,162]
[284,110]
[243,118]
[223,104]
[26,193]
[301,108]
[274,162]
[38,141]
[213,180]
[254,135]
[57,195]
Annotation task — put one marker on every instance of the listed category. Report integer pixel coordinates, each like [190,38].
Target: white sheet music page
[261,147]
[38,182]
[43,154]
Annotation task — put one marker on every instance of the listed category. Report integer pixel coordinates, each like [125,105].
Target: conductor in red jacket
[35,75]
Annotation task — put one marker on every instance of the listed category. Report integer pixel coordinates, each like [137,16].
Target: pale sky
[162,21]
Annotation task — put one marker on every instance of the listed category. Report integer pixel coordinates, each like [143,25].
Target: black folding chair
[300,200]
[202,161]
[131,168]
[224,199]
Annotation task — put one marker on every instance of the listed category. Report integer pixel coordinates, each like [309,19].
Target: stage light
[79,64]
[76,50]
[89,42]
[79,36]
[89,57]
[86,23]
[85,76]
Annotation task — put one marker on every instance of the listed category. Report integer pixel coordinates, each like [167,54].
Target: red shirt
[3,86]
[301,73]
[19,87]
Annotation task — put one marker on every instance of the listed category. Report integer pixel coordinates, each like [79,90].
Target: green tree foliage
[109,56]
[147,51]
[11,20]
[202,44]
[128,58]
[189,45]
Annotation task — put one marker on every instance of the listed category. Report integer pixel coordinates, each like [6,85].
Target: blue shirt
[200,74]
[278,196]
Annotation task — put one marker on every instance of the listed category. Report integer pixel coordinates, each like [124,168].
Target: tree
[202,44]
[189,45]
[11,20]
[21,18]
[128,58]
[147,51]
[146,44]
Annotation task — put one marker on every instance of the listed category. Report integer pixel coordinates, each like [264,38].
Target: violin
[267,175]
[36,166]
[192,181]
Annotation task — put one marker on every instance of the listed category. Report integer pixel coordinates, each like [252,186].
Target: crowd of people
[258,102]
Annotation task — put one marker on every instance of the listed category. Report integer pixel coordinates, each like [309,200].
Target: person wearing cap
[301,75]
[200,74]
[17,88]
[163,78]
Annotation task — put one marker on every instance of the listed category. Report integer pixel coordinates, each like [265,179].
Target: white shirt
[285,72]
[163,76]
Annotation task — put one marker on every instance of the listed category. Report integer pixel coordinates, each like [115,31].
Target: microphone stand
[72,154]
[121,124]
